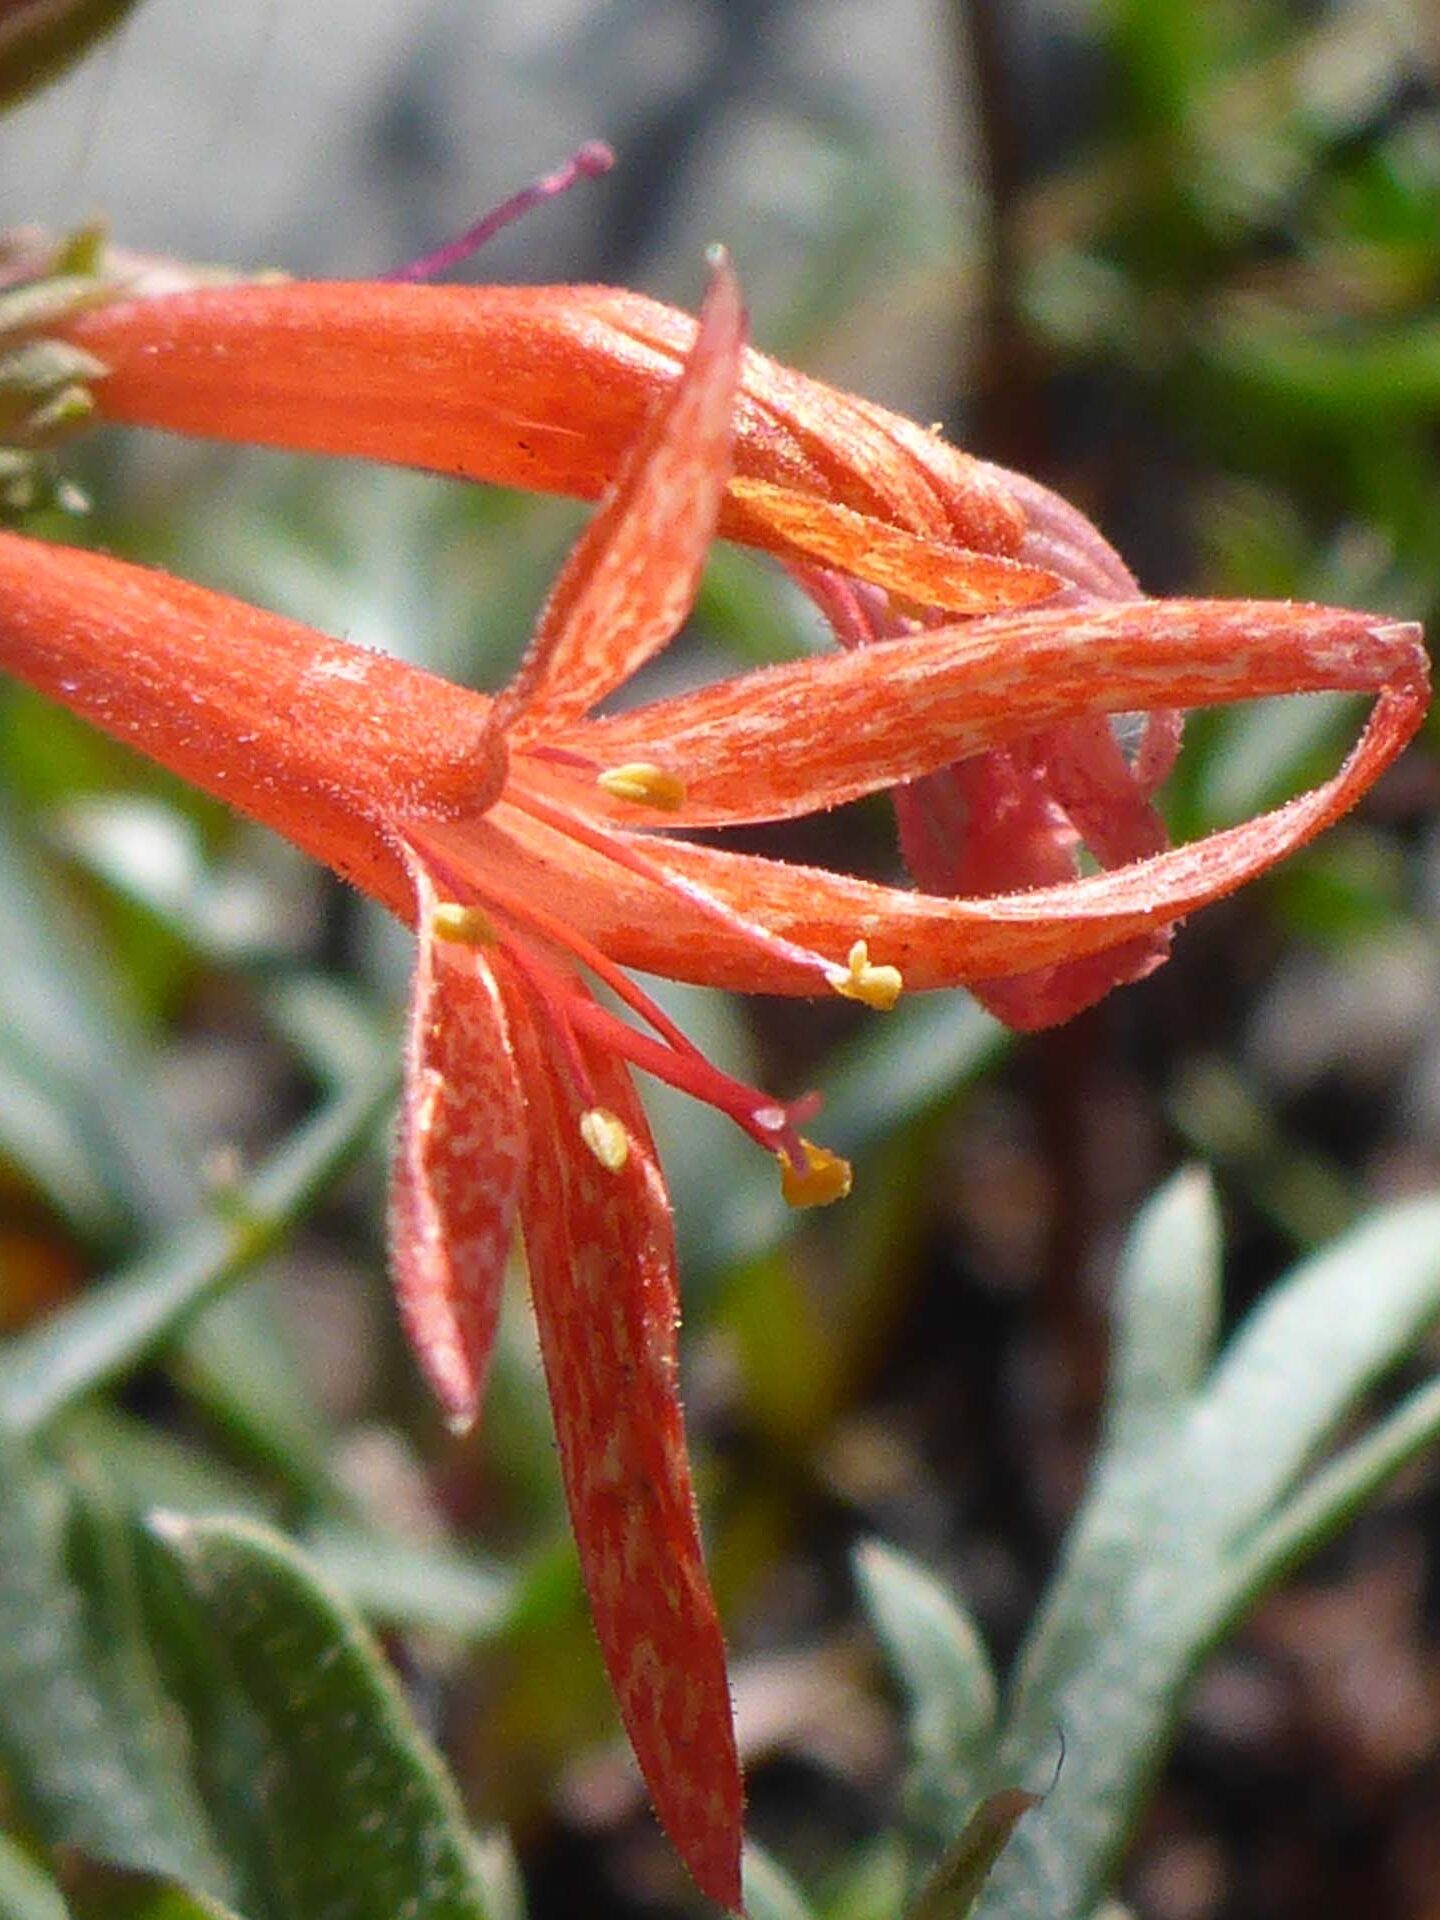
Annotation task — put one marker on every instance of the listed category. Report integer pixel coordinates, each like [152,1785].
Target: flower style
[528,843]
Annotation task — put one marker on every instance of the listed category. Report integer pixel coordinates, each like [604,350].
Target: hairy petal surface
[459,1157]
[538,387]
[602,1271]
[936,942]
[632,577]
[799,433]
[809,734]
[922,570]
[323,741]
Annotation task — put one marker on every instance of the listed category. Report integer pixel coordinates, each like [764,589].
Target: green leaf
[172,1902]
[86,1732]
[770,1893]
[1292,1373]
[361,1821]
[152,1466]
[1196,1499]
[27,1893]
[944,1673]
[124,1318]
[101,1892]
[1167,1308]
[407,1584]
[1265,752]
[936,1652]
[43,1132]
[871,1885]
[238,1363]
[91,1131]
[498,1872]
[1338,1489]
[1343,374]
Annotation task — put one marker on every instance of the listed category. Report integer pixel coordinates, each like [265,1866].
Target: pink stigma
[586,163]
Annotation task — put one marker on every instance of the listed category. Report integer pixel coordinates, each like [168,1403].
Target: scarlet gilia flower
[546,388]
[889,528]
[533,847]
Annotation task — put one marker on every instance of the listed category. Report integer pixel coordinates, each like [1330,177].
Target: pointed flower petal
[811,734]
[459,1158]
[939,942]
[926,571]
[632,576]
[600,1248]
[934,941]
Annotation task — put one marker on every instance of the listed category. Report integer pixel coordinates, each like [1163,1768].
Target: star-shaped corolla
[533,847]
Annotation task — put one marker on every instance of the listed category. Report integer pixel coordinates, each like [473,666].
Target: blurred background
[1181,263]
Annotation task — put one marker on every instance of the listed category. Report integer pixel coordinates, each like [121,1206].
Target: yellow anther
[604,1134]
[644,785]
[877,987]
[470,926]
[823,1178]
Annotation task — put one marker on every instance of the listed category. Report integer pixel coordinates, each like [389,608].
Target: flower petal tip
[713,1859]
[1407,637]
[1397,632]
[451,1378]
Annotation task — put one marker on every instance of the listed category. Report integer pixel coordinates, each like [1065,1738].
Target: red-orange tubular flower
[526,842]
[886,525]
[546,388]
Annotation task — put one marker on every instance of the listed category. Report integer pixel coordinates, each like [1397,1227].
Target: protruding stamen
[824,1177]
[586,163]
[644,784]
[877,987]
[468,926]
[633,852]
[604,1134]
[810,1176]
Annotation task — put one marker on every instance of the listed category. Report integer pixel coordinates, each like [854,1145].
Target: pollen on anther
[604,1134]
[644,785]
[877,987]
[823,1178]
[469,926]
